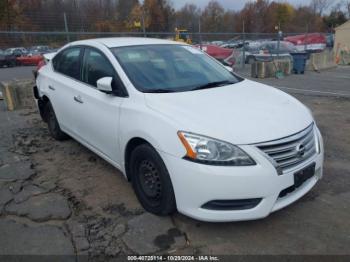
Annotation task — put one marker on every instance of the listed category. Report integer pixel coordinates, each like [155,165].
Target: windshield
[171,68]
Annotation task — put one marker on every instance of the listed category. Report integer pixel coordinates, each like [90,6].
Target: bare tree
[188,17]
[347,6]
[320,6]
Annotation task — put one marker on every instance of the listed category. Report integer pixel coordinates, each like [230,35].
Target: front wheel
[151,181]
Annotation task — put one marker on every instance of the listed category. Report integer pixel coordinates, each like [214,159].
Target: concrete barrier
[17,94]
[321,61]
[269,69]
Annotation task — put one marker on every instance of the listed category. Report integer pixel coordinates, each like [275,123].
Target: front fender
[157,129]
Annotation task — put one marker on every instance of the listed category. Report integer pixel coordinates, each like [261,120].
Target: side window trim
[124,92]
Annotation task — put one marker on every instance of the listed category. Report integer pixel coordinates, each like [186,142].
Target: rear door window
[68,62]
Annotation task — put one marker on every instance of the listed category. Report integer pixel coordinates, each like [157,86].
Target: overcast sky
[231,4]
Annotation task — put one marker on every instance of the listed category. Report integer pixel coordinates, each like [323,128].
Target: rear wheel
[151,181]
[53,125]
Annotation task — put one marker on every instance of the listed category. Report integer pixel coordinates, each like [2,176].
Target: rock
[99,244]
[15,187]
[16,171]
[76,229]
[5,196]
[21,239]
[112,251]
[118,230]
[81,243]
[42,208]
[49,185]
[101,234]
[145,231]
[27,192]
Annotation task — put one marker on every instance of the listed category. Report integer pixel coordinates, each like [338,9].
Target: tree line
[261,16]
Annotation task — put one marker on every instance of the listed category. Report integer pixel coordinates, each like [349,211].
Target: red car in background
[30,59]
[308,42]
[224,55]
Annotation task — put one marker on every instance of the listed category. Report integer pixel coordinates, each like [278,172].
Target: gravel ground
[60,198]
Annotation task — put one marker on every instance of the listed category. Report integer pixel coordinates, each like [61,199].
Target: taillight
[40,65]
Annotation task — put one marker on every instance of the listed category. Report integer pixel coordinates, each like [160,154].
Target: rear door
[97,112]
[61,86]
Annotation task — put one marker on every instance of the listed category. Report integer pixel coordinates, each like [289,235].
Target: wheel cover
[150,181]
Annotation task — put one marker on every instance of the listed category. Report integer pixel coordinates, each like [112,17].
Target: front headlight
[211,151]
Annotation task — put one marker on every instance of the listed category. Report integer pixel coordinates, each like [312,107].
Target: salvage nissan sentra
[187,132]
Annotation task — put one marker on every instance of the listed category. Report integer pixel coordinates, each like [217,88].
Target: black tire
[151,181]
[53,125]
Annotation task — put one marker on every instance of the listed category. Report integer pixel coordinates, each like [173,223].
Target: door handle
[78,99]
[52,88]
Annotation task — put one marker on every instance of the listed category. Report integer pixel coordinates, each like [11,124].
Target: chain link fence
[55,40]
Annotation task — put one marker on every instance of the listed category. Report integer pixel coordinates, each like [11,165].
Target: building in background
[342,43]
[342,36]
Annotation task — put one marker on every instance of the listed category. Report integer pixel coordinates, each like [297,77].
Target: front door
[97,112]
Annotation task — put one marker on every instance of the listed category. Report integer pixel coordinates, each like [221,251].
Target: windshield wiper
[213,84]
[159,90]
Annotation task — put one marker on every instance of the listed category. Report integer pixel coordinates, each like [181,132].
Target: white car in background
[189,134]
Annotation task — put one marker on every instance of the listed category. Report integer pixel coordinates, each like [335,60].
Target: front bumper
[196,184]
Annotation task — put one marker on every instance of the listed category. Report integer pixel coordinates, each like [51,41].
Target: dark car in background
[40,49]
[235,44]
[7,59]
[270,50]
[17,51]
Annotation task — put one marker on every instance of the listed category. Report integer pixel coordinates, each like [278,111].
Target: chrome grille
[292,151]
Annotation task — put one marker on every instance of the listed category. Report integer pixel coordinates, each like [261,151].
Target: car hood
[242,113]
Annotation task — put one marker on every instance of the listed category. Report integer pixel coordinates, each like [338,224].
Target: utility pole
[306,36]
[199,31]
[8,15]
[66,26]
[143,22]
[243,60]
[278,40]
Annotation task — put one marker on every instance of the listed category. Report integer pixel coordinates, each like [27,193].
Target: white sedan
[188,133]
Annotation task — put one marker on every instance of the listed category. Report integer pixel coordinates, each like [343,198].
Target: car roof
[126,41]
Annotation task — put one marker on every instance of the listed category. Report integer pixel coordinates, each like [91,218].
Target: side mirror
[105,84]
[229,68]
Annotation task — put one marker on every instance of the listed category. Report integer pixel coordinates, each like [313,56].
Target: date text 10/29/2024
[173,258]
